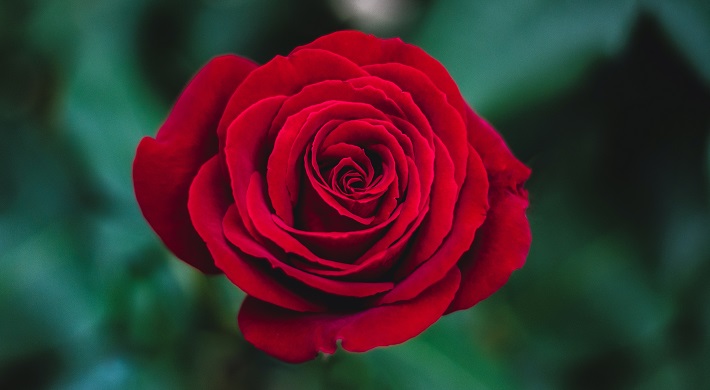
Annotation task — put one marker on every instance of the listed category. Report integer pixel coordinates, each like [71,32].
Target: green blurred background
[608,101]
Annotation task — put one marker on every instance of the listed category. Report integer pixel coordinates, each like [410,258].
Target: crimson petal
[365,49]
[297,337]
[208,203]
[165,166]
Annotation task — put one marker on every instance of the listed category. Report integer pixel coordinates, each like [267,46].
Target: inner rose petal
[284,171]
[377,177]
[368,263]
[347,177]
[208,202]
[365,89]
[367,136]
[414,126]
[378,259]
[342,174]
[336,153]
[448,123]
[374,185]
[470,213]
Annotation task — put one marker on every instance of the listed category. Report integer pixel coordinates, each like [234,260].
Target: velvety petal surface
[364,49]
[208,204]
[501,246]
[503,242]
[165,166]
[469,215]
[298,337]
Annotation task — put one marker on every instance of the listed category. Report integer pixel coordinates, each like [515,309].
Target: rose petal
[285,163]
[296,337]
[244,150]
[372,135]
[235,233]
[410,112]
[372,266]
[364,49]
[312,96]
[327,161]
[314,214]
[165,166]
[208,203]
[284,183]
[412,206]
[500,247]
[336,90]
[286,76]
[437,225]
[502,167]
[350,174]
[381,192]
[261,217]
[384,252]
[413,127]
[469,215]
[369,137]
[329,245]
[504,239]
[445,121]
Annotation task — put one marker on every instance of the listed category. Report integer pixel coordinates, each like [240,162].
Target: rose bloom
[347,188]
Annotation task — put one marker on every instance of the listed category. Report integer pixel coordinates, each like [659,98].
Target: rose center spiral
[354,174]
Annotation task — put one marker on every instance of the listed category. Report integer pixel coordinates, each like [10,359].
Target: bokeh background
[608,101]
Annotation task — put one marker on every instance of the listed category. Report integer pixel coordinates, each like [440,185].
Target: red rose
[347,188]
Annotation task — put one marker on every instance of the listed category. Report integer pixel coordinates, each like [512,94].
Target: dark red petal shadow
[298,337]
[448,124]
[208,203]
[469,215]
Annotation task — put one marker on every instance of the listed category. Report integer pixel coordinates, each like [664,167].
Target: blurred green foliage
[608,101]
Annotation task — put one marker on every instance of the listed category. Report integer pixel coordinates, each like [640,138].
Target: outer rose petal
[165,166]
[500,247]
[502,167]
[286,76]
[364,49]
[298,337]
[503,241]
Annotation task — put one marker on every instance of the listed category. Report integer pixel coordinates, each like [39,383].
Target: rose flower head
[347,188]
